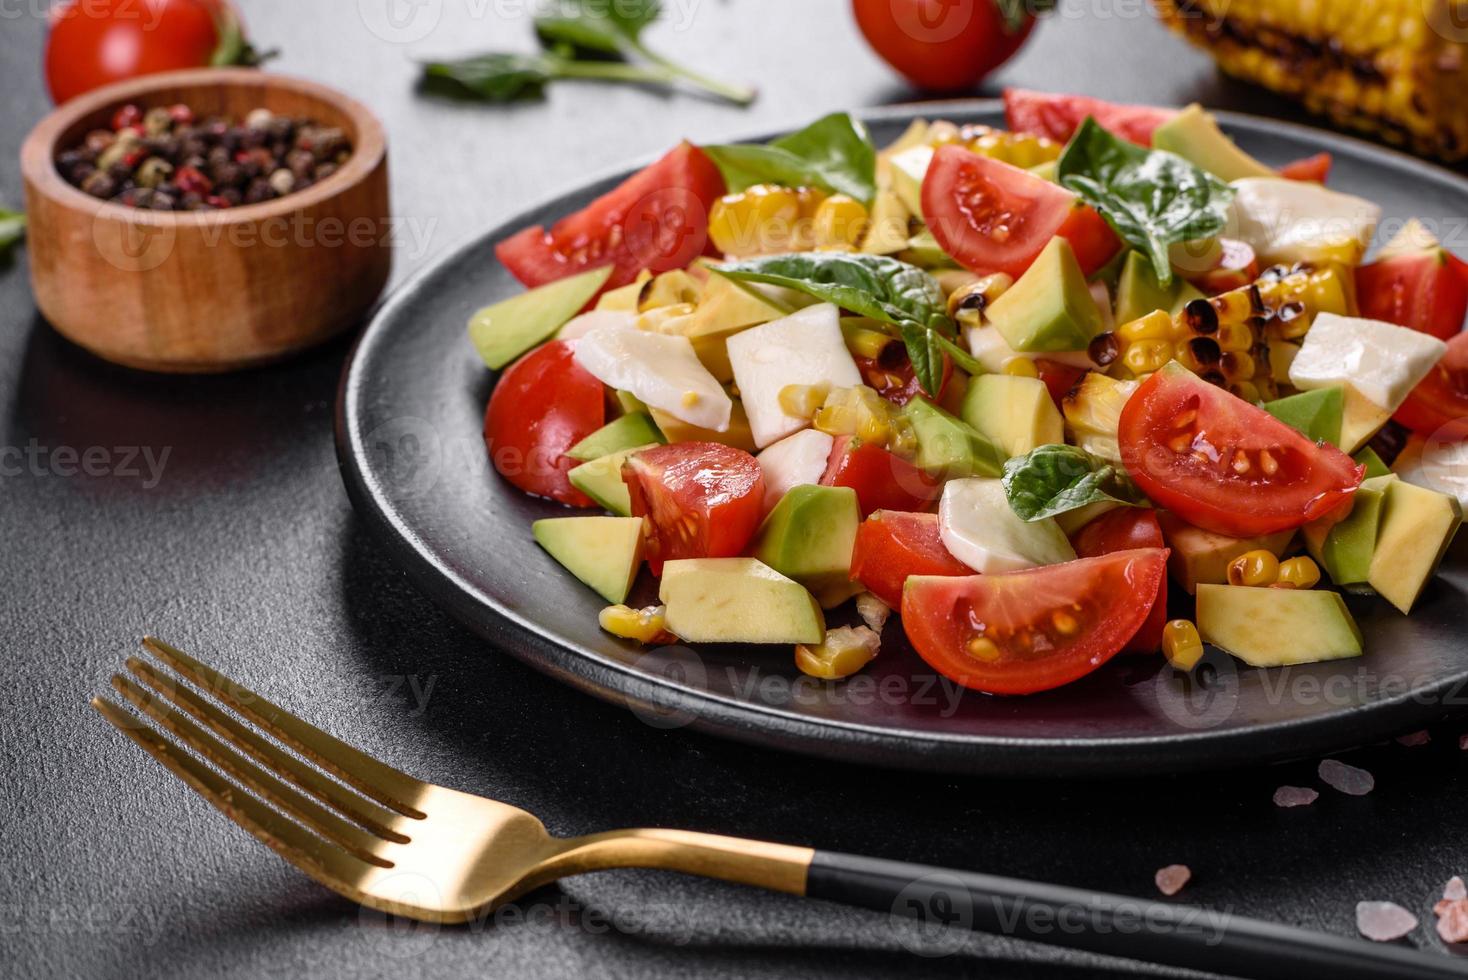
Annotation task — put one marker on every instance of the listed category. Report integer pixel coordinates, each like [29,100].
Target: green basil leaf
[926,354]
[1051,480]
[496,77]
[834,153]
[12,229]
[1151,198]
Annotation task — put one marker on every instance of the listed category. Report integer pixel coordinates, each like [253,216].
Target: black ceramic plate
[410,414]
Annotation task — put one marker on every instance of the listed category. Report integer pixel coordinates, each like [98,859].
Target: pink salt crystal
[1463,743]
[1455,890]
[1383,921]
[1171,879]
[1452,920]
[1288,796]
[1347,779]
[1414,739]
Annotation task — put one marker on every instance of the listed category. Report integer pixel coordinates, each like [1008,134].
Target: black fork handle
[1153,932]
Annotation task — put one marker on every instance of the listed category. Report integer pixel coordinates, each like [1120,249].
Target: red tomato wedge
[1237,266]
[1315,168]
[892,376]
[1029,631]
[1125,529]
[991,217]
[543,405]
[882,480]
[657,219]
[1220,463]
[1438,406]
[1423,290]
[703,499]
[1058,116]
[892,546]
[1059,378]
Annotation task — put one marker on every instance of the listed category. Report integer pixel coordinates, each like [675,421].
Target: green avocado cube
[603,552]
[809,536]
[948,447]
[601,480]
[737,600]
[507,329]
[628,432]
[1138,292]
[1193,134]
[1016,413]
[1374,465]
[1344,547]
[1050,307]
[1417,525]
[1317,413]
[1277,627]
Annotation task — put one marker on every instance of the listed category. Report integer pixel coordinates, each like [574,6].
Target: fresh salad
[1101,383]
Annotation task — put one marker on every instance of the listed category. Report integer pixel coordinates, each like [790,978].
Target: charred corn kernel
[1234,337]
[803,236]
[1147,356]
[840,222]
[1156,325]
[675,287]
[1021,367]
[873,611]
[967,303]
[647,625]
[1394,68]
[1257,568]
[1181,644]
[864,338]
[758,220]
[846,650]
[802,401]
[856,411]
[1016,149]
[1298,573]
[983,648]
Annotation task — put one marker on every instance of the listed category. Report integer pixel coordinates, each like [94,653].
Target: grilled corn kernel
[1156,325]
[1147,356]
[802,401]
[864,338]
[1298,573]
[672,288]
[665,319]
[846,650]
[968,302]
[873,611]
[803,237]
[1181,644]
[1256,568]
[755,221]
[647,625]
[1016,149]
[855,411]
[1021,367]
[840,222]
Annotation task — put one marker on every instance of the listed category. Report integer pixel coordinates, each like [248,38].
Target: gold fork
[427,852]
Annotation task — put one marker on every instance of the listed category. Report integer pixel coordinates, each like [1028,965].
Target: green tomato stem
[738,94]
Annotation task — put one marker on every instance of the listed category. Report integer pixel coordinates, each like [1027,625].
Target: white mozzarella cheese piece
[978,526]
[661,370]
[1298,221]
[804,348]
[580,326]
[796,460]
[993,352]
[1382,361]
[1435,465]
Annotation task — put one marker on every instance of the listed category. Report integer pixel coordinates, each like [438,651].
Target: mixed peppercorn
[167,159]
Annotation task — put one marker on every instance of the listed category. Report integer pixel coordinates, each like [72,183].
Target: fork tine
[382,782]
[324,862]
[263,783]
[374,818]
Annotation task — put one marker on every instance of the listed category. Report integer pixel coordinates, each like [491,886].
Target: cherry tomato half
[1438,406]
[1422,290]
[703,499]
[1316,168]
[1220,463]
[892,546]
[1059,116]
[97,42]
[940,45]
[991,217]
[882,480]
[1125,529]
[542,405]
[1034,630]
[657,219]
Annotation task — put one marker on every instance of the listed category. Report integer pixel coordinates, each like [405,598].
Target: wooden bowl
[216,290]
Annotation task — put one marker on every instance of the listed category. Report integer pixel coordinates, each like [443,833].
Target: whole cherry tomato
[97,42]
[942,45]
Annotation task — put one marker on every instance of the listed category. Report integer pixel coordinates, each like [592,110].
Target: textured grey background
[247,553]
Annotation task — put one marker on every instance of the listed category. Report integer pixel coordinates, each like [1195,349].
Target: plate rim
[661,701]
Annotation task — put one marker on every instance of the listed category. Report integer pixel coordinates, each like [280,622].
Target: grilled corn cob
[1394,68]
[1226,339]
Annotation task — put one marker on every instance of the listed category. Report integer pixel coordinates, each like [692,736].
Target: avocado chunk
[1201,557]
[809,536]
[628,403]
[908,170]
[1344,547]
[1417,525]
[1360,420]
[923,250]
[601,480]
[737,435]
[511,327]
[1316,413]
[737,600]
[1016,413]
[1277,627]
[603,552]
[1193,134]
[1050,307]
[888,232]
[627,432]
[1374,465]
[623,299]
[1138,292]
[947,447]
